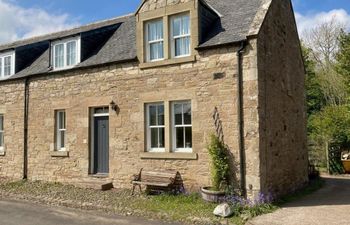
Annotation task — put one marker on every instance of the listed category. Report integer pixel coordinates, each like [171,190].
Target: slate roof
[236,17]
[235,21]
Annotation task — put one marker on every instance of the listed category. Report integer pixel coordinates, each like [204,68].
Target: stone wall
[11,106]
[283,151]
[130,87]
[151,5]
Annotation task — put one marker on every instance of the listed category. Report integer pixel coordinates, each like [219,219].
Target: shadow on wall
[233,180]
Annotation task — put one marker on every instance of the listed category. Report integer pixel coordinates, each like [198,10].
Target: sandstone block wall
[131,87]
[11,106]
[282,114]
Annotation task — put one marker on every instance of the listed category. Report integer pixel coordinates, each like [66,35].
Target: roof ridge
[43,37]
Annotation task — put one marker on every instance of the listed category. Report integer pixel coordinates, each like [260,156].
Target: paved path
[328,206]
[24,213]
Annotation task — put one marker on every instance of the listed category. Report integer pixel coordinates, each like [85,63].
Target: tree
[343,57]
[323,42]
[314,95]
[330,127]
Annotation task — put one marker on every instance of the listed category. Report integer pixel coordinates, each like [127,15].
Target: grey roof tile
[233,26]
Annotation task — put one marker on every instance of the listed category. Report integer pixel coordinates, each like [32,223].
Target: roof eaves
[45,73]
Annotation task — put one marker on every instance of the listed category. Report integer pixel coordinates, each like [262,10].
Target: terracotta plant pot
[212,196]
[346,165]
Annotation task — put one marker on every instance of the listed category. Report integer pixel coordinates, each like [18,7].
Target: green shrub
[220,165]
[329,131]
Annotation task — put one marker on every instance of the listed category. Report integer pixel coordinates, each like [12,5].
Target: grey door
[101,145]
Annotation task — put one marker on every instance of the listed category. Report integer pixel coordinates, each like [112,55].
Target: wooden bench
[157,180]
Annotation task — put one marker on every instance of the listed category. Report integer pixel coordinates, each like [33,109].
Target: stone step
[96,185]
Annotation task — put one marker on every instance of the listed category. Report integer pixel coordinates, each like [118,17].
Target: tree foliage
[326,52]
[314,94]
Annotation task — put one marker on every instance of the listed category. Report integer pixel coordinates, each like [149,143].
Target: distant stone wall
[283,150]
[11,106]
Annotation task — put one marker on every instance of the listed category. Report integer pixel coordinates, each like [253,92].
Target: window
[155,127]
[60,130]
[2,146]
[7,65]
[180,35]
[66,54]
[154,40]
[182,126]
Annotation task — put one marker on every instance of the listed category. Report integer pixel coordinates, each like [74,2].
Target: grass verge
[186,209]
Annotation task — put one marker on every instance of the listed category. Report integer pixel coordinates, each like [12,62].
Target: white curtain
[155,40]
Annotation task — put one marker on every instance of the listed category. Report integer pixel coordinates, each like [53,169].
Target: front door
[101,145]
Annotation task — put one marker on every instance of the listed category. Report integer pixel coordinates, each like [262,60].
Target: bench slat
[151,184]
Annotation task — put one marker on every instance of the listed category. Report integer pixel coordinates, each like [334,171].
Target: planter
[212,196]
[346,165]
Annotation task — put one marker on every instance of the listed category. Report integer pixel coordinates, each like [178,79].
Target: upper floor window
[66,53]
[155,40]
[7,64]
[1,133]
[180,35]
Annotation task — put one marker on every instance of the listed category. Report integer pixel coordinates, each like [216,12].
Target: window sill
[167,62]
[59,154]
[167,155]
[2,153]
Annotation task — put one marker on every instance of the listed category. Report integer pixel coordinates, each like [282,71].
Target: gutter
[240,115]
[25,140]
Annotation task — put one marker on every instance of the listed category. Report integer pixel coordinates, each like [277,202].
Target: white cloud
[17,22]
[311,20]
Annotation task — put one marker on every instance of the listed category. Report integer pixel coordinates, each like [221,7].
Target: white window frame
[149,127]
[174,147]
[173,38]
[77,39]
[60,130]
[2,148]
[148,43]
[2,64]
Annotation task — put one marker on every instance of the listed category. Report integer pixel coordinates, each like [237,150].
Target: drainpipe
[240,115]
[25,141]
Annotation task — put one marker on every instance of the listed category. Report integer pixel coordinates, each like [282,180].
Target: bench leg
[133,188]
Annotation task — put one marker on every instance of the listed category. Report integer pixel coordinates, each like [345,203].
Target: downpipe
[240,114]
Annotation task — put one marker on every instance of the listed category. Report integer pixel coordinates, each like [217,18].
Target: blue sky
[27,18]
[87,11]
[312,6]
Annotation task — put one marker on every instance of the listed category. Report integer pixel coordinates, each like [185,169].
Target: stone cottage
[99,102]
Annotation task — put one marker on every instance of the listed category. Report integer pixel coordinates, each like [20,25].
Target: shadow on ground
[336,191]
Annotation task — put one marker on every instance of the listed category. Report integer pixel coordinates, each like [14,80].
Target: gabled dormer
[167,32]
[7,64]
[65,53]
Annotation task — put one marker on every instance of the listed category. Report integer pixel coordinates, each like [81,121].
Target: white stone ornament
[223,210]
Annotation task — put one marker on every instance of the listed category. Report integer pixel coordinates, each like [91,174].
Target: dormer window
[66,53]
[7,64]
[155,40]
[180,35]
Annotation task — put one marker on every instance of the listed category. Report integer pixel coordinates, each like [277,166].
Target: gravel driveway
[328,206]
